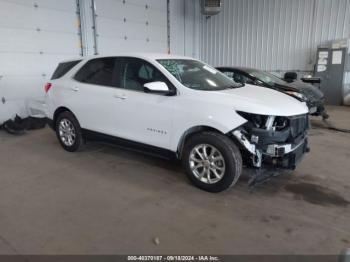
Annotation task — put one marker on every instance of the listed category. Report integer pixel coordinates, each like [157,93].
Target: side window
[146,72]
[240,78]
[137,72]
[248,80]
[229,74]
[100,71]
[237,77]
[64,68]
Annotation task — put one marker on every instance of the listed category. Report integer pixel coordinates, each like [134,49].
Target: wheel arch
[191,132]
[59,111]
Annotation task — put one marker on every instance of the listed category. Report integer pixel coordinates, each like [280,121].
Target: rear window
[63,68]
[99,71]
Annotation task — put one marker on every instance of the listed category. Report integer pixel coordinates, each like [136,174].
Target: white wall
[143,30]
[35,35]
[131,26]
[184,29]
[272,34]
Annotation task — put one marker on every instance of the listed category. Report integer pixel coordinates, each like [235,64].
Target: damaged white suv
[177,106]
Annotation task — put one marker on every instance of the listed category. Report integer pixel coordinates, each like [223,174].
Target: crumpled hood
[257,100]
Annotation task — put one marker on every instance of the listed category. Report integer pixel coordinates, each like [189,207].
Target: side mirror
[156,88]
[290,76]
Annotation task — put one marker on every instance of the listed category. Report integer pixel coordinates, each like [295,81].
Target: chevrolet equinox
[177,106]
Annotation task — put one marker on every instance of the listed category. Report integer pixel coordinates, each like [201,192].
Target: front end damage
[272,141]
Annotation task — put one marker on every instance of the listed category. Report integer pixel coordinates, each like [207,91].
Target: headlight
[276,123]
[297,95]
[257,120]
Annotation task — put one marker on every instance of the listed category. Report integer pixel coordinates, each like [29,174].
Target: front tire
[68,132]
[212,161]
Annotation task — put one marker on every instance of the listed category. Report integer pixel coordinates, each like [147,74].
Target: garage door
[35,36]
[131,26]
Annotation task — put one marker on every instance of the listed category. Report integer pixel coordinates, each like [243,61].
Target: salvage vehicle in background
[177,106]
[300,90]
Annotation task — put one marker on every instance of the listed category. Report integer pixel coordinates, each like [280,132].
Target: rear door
[93,90]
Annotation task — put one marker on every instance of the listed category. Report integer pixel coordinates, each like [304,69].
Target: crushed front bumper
[285,156]
[278,155]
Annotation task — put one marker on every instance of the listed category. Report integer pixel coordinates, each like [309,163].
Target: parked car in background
[297,89]
[177,106]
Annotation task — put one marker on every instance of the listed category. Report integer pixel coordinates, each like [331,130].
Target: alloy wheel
[207,163]
[67,132]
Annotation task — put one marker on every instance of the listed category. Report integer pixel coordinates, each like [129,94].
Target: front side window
[241,78]
[197,75]
[137,72]
[100,71]
[230,74]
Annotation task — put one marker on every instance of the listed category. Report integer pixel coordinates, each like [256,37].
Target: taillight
[47,87]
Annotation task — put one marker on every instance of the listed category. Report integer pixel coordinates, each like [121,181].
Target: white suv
[177,106]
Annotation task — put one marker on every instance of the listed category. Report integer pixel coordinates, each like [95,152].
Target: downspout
[184,12]
[80,33]
[94,29]
[312,33]
[168,26]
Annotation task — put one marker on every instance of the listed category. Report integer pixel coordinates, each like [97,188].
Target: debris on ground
[327,124]
[18,125]
[330,126]
[156,241]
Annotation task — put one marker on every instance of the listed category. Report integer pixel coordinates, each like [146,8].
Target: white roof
[152,56]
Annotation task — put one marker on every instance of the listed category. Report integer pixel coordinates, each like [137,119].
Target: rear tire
[212,161]
[69,132]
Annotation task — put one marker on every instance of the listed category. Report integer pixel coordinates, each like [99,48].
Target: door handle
[75,89]
[122,97]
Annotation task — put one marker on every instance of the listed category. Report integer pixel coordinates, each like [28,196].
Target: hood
[310,91]
[257,100]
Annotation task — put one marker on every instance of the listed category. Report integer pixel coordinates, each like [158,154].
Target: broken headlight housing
[275,123]
[271,139]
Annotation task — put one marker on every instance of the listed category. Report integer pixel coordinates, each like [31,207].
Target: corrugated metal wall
[272,34]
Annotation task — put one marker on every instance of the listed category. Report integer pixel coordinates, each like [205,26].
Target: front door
[143,117]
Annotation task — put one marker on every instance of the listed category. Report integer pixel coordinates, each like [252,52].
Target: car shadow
[174,169]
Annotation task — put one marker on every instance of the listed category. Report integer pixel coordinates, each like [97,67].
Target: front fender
[185,123]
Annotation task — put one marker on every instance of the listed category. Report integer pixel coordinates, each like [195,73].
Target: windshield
[267,78]
[197,75]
